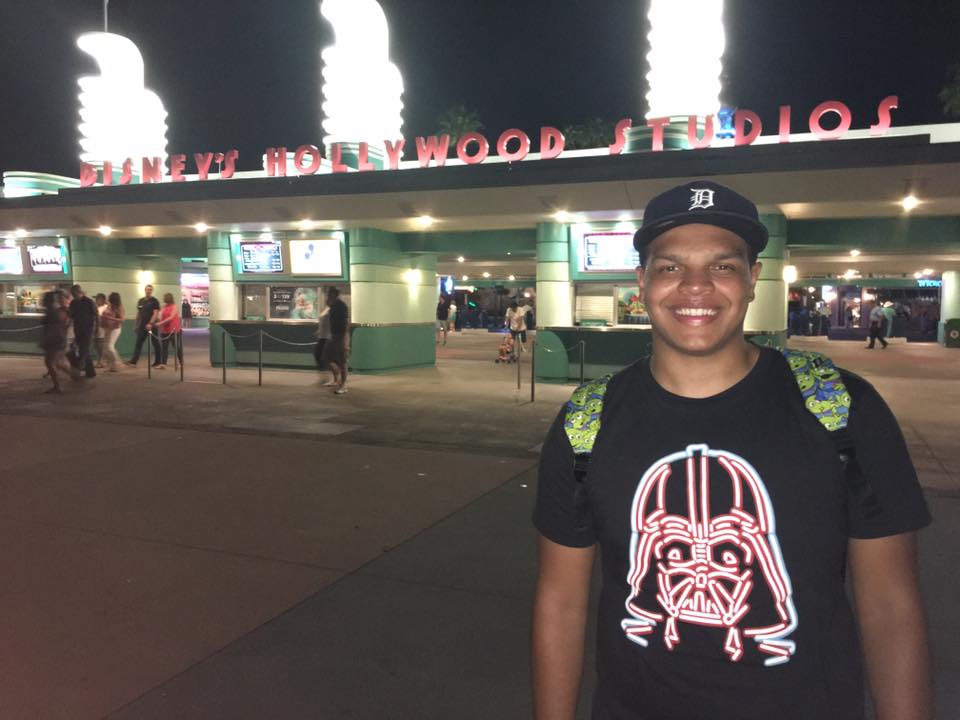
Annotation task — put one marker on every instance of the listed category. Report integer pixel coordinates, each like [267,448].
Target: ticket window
[253,303]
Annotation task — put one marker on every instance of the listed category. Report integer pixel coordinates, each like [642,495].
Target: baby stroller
[506,354]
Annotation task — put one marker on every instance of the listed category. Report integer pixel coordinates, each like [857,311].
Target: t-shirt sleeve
[889,500]
[555,514]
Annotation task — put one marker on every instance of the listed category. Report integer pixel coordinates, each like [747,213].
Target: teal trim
[392,347]
[867,282]
[477,244]
[551,357]
[899,234]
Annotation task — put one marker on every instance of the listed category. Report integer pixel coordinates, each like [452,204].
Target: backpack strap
[581,422]
[827,399]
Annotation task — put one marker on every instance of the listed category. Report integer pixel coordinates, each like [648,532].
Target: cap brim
[753,232]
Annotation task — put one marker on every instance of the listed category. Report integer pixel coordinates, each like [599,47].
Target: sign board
[315,257]
[45,258]
[609,252]
[261,257]
[293,303]
[11,261]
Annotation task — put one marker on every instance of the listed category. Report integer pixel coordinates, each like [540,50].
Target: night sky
[246,74]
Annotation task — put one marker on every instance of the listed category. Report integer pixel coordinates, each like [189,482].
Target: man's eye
[668,268]
[724,267]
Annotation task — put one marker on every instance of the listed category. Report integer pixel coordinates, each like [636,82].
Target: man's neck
[697,376]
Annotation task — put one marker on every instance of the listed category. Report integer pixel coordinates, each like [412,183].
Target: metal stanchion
[260,358]
[583,352]
[149,347]
[519,355]
[223,354]
[180,352]
[533,370]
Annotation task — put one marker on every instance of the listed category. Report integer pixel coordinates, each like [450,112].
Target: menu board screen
[609,252]
[45,258]
[261,257]
[315,257]
[11,261]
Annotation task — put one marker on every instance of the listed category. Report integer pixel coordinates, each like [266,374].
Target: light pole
[105,3]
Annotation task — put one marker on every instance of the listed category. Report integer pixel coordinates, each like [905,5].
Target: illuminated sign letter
[883,115]
[620,136]
[657,125]
[740,119]
[229,163]
[551,143]
[203,162]
[275,160]
[432,148]
[784,123]
[394,151]
[834,106]
[522,150]
[336,158]
[88,175]
[363,158]
[177,164]
[314,164]
[695,142]
[483,148]
[126,175]
[107,172]
[152,170]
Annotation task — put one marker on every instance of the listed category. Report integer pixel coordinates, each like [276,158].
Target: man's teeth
[696,312]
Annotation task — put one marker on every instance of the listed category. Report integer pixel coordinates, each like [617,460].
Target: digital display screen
[315,257]
[261,257]
[609,252]
[11,261]
[45,258]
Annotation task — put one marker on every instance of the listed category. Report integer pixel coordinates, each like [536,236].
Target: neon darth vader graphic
[704,552]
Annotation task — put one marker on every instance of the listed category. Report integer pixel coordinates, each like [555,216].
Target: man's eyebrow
[731,255]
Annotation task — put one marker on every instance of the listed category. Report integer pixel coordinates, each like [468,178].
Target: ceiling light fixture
[425,221]
[201,227]
[486,274]
[461,258]
[464,277]
[305,224]
[561,216]
[927,271]
[511,278]
[20,232]
[105,230]
[909,202]
[854,253]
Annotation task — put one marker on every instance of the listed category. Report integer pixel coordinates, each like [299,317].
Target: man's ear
[754,277]
[640,281]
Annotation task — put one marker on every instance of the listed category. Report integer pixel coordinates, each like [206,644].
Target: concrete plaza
[194,550]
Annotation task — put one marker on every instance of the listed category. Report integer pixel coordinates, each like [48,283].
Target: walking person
[877,321]
[147,311]
[443,318]
[516,322]
[322,334]
[336,348]
[99,338]
[727,510]
[168,326]
[83,317]
[54,339]
[112,322]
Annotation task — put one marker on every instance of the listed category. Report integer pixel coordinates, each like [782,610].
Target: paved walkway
[209,552]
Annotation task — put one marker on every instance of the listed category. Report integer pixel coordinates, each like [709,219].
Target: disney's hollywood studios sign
[473,148]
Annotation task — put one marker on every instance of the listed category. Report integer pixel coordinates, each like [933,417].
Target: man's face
[148,290]
[696,286]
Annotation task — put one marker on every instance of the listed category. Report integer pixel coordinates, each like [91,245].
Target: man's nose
[696,281]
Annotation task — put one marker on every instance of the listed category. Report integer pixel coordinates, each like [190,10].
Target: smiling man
[728,507]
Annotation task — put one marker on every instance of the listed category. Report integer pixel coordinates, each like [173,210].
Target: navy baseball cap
[701,201]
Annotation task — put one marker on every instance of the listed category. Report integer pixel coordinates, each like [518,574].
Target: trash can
[949,335]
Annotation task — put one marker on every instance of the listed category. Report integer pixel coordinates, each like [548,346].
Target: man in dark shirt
[148,308]
[335,350]
[83,315]
[725,518]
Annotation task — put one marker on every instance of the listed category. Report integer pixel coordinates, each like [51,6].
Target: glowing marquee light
[119,117]
[686,46]
[361,87]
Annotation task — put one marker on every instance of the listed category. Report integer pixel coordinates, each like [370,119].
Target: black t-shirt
[146,307]
[83,313]
[723,524]
[443,310]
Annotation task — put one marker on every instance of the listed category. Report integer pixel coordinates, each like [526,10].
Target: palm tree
[591,133]
[457,121]
[950,94]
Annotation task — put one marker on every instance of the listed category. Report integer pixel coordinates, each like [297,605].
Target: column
[949,308]
[224,299]
[393,300]
[554,289]
[767,316]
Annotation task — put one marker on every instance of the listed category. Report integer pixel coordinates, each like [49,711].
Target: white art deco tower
[361,87]
[119,117]
[686,49]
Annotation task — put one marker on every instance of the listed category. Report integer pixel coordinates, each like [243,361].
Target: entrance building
[256,253]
